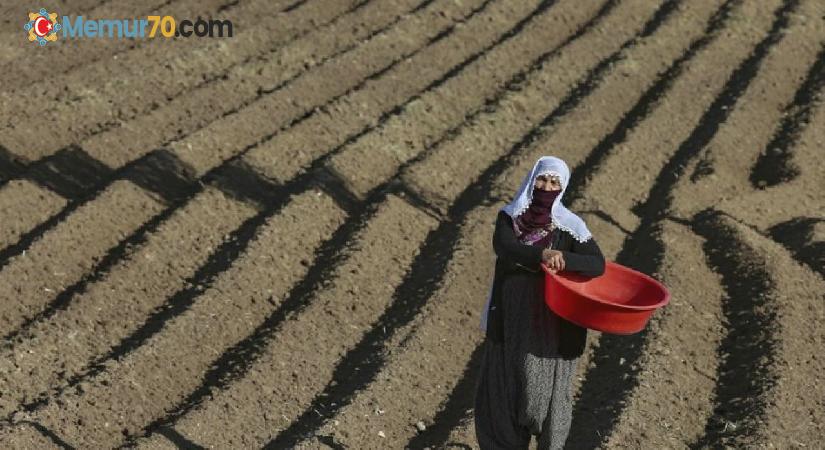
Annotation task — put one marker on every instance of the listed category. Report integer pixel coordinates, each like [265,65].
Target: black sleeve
[507,246]
[585,258]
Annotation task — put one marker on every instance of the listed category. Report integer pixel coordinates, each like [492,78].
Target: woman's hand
[553,259]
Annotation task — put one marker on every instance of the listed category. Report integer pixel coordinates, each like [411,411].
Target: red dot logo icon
[42,27]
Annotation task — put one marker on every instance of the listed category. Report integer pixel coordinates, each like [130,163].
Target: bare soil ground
[282,239]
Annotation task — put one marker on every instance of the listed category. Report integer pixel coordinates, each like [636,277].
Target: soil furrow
[482,70]
[374,59]
[250,83]
[32,435]
[558,90]
[353,305]
[775,307]
[30,279]
[643,108]
[801,197]
[408,379]
[128,144]
[428,108]
[749,348]
[759,110]
[95,412]
[242,85]
[238,183]
[46,356]
[774,163]
[79,111]
[644,248]
[198,159]
[799,236]
[19,213]
[785,82]
[624,161]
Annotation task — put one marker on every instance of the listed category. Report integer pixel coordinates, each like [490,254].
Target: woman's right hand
[553,259]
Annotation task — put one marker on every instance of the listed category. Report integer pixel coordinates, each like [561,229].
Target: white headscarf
[561,216]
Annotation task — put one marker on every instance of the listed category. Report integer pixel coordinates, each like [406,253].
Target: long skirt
[525,387]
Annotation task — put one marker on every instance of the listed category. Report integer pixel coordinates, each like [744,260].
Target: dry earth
[282,239]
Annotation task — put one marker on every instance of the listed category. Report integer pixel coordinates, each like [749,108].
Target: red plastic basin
[620,301]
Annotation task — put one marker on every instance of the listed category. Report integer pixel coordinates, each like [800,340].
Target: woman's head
[543,187]
[548,175]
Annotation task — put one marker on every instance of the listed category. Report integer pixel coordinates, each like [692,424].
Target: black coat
[514,257]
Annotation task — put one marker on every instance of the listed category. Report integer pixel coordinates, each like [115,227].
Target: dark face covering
[537,215]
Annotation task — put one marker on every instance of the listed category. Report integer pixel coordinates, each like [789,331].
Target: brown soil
[283,238]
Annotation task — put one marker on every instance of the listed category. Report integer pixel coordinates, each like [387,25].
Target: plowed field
[283,238]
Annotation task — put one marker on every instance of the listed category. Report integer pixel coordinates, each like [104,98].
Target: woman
[530,354]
